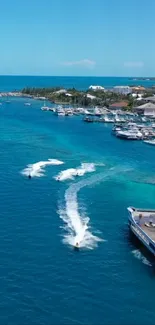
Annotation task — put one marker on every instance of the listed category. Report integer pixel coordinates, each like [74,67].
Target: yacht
[129,134]
[142,224]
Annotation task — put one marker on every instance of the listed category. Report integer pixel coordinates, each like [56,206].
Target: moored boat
[151,142]
[129,134]
[45,108]
[107,119]
[60,111]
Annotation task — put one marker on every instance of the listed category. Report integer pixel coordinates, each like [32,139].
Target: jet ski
[76,246]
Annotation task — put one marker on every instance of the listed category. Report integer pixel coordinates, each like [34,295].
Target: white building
[124,90]
[146,109]
[61,91]
[91,96]
[96,87]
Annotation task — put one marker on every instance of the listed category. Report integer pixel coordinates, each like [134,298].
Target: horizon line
[63,76]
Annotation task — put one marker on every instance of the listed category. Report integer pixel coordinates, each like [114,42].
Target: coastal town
[130,110]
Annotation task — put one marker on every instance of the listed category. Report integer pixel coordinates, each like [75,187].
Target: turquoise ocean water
[111,280]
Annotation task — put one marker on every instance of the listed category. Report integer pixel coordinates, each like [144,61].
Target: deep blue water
[10,83]
[42,279]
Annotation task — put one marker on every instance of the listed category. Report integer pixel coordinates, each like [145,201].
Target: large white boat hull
[139,233]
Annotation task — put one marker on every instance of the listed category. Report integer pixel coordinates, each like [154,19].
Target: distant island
[143,78]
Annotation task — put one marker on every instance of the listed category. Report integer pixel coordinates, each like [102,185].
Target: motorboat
[129,134]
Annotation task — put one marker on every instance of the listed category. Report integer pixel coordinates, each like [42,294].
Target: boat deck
[146,220]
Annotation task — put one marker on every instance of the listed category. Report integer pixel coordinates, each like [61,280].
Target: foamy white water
[71,173]
[77,226]
[38,169]
[137,254]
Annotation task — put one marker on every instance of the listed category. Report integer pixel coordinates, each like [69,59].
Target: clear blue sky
[77,37]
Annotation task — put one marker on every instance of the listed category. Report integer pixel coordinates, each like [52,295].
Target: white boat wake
[137,254]
[37,169]
[77,226]
[71,173]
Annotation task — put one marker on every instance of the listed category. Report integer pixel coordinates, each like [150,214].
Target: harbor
[125,125]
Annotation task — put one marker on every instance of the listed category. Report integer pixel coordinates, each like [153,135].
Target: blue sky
[77,37]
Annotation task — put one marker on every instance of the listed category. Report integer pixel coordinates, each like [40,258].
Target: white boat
[142,224]
[152,142]
[27,104]
[129,134]
[69,112]
[119,119]
[97,111]
[60,111]
[45,108]
[79,110]
[107,119]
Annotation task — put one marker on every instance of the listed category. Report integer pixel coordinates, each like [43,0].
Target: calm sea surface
[43,280]
[9,83]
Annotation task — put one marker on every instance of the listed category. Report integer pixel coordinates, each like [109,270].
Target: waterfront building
[146,109]
[124,90]
[96,87]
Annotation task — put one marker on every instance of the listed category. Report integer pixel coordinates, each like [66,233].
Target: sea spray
[37,169]
[71,173]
